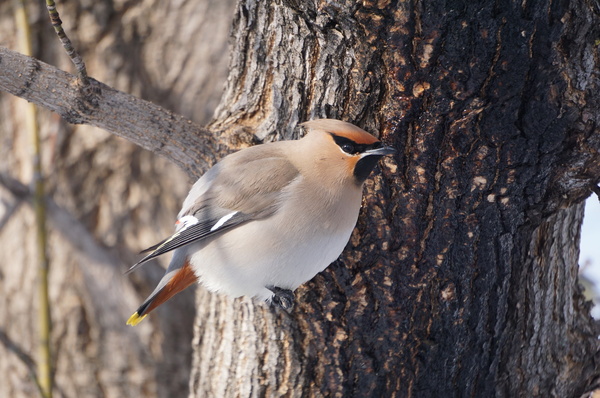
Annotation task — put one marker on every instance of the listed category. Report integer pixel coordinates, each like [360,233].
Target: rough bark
[172,136]
[107,198]
[460,278]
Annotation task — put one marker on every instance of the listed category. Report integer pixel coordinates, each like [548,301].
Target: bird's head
[343,150]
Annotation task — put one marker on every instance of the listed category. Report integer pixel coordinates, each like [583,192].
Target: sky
[589,257]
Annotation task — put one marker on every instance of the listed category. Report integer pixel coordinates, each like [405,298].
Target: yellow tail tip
[135,319]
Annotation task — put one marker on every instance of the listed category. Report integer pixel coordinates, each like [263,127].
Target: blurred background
[108,199]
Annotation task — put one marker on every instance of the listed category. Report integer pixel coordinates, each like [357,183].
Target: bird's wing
[248,188]
[193,230]
[249,181]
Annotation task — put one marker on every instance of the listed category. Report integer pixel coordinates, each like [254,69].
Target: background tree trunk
[461,276]
[110,199]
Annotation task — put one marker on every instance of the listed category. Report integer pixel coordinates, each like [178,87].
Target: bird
[268,218]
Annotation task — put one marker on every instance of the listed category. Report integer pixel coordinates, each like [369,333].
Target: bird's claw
[283,298]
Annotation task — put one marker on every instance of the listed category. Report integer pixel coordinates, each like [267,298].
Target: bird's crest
[342,129]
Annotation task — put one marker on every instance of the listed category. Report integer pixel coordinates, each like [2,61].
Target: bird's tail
[172,283]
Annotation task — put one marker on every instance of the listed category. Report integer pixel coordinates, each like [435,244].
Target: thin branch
[172,136]
[66,42]
[44,375]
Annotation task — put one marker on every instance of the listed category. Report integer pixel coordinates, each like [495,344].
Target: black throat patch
[364,166]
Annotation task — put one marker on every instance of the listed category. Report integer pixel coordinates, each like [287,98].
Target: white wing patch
[222,221]
[185,222]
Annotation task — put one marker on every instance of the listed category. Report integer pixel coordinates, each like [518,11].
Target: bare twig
[176,138]
[66,42]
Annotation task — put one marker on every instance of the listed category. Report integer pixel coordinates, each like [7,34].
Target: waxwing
[266,219]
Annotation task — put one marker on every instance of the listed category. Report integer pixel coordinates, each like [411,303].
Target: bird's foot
[283,298]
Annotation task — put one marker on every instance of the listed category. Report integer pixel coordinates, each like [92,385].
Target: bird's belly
[243,261]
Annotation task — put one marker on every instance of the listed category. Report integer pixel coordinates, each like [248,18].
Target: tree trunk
[461,276]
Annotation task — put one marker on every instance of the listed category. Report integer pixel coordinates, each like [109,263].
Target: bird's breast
[285,249]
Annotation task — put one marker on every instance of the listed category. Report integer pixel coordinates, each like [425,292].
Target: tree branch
[188,145]
[66,42]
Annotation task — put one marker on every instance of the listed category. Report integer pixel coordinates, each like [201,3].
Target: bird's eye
[348,148]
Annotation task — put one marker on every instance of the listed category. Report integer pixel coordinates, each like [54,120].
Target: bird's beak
[384,150]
